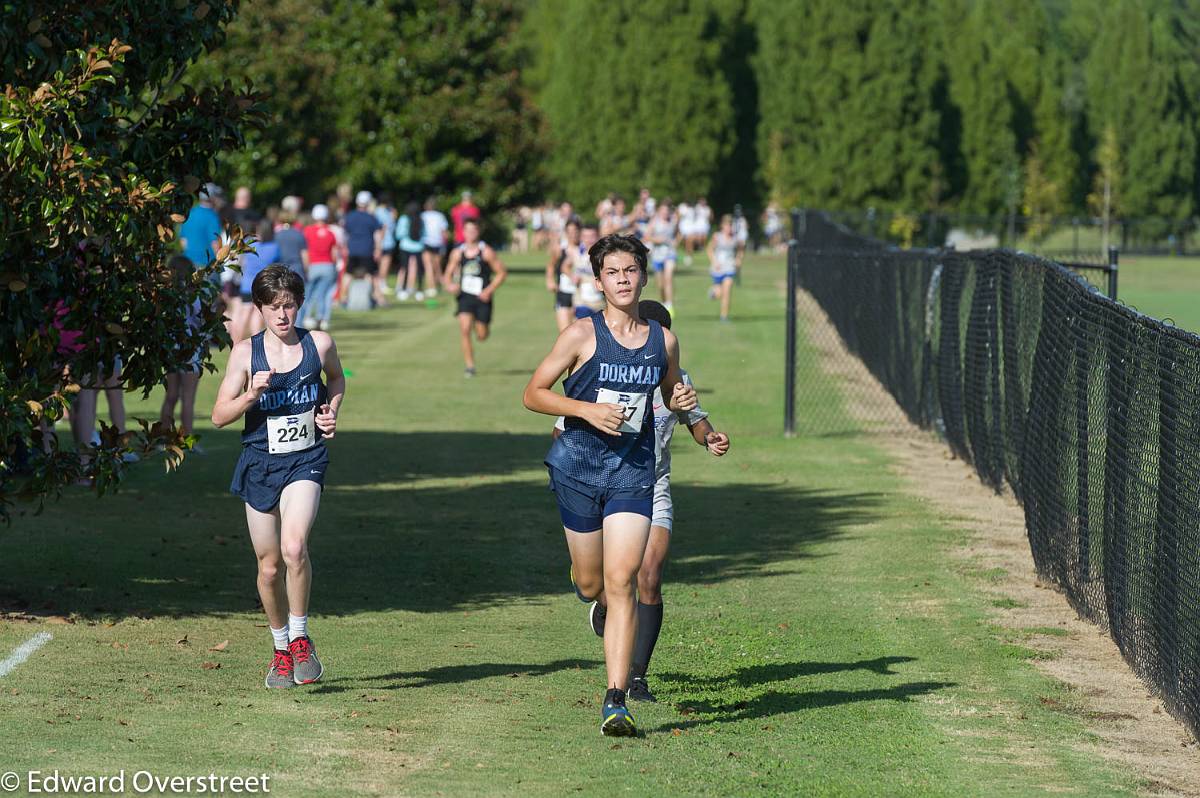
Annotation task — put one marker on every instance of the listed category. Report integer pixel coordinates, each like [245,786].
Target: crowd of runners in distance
[623,394]
[536,228]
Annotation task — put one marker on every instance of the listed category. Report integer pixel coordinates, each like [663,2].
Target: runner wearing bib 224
[274,380]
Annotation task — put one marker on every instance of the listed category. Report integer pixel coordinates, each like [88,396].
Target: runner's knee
[268,569]
[590,585]
[649,584]
[295,552]
[620,582]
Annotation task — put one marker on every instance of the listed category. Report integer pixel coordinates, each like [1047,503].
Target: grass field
[1166,288]
[820,638]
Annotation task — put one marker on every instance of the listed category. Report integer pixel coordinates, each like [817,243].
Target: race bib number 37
[287,434]
[634,404]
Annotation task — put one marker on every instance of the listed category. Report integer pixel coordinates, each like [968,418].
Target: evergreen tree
[1143,80]
[849,102]
[636,97]
[1105,199]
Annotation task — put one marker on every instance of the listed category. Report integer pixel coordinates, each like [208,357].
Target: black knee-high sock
[649,623]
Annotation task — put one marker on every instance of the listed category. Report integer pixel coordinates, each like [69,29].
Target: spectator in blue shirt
[200,235]
[364,237]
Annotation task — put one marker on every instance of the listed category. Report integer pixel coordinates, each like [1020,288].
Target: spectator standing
[324,251]
[243,214]
[466,209]
[408,237]
[435,236]
[364,237]
[293,249]
[385,212]
[200,234]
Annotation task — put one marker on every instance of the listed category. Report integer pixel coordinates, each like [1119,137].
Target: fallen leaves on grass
[220,646]
[183,641]
[210,666]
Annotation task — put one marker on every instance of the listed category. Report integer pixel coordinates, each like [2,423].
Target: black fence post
[789,383]
[1112,273]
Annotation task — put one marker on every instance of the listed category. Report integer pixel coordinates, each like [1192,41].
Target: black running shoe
[640,691]
[596,616]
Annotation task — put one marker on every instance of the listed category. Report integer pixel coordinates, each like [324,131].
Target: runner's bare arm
[703,433]
[499,274]
[451,275]
[335,382]
[679,395]
[239,389]
[540,397]
[552,270]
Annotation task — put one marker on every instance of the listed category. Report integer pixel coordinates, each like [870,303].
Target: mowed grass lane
[818,638]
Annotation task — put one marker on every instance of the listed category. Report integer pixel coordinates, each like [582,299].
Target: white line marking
[23,651]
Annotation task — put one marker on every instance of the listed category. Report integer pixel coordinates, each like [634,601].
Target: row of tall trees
[980,106]
[415,96]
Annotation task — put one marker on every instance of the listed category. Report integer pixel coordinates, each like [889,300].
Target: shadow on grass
[424,521]
[775,702]
[782,672]
[451,674]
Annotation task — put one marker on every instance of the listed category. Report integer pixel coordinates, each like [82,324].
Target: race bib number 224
[286,434]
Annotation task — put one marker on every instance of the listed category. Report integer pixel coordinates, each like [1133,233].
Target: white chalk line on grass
[23,652]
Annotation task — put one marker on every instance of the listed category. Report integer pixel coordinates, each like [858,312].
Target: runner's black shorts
[469,303]
[563,300]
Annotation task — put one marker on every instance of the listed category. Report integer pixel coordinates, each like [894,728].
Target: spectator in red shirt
[324,251]
[460,213]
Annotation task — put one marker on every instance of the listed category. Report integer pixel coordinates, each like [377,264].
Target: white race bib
[287,434]
[588,293]
[565,284]
[634,404]
[472,284]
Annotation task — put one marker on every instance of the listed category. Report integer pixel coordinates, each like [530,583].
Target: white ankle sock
[281,637]
[297,626]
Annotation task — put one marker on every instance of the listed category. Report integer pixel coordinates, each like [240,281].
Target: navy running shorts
[260,477]
[563,300]
[584,507]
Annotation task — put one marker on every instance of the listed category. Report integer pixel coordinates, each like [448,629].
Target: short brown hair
[275,280]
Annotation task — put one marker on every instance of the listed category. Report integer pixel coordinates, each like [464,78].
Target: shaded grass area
[817,639]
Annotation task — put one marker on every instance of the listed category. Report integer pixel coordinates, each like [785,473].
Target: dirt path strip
[23,652]
[1131,724]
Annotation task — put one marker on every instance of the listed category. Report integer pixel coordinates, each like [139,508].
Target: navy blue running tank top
[616,375]
[283,418]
